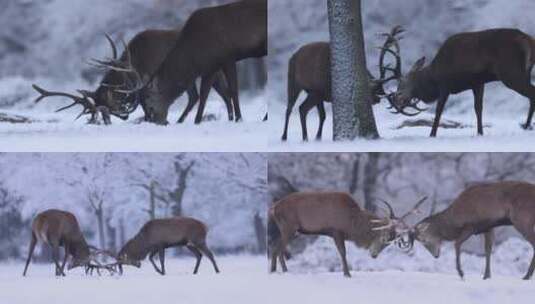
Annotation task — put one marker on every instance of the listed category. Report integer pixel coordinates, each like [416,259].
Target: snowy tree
[353,114]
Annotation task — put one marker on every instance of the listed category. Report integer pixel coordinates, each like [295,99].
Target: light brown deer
[477,210]
[58,228]
[337,215]
[159,234]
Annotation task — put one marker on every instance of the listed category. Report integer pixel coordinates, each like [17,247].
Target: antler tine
[112,45]
[390,209]
[392,39]
[415,208]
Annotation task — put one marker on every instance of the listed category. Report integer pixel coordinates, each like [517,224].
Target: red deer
[143,55]
[157,235]
[212,39]
[477,210]
[468,61]
[337,215]
[58,228]
[309,70]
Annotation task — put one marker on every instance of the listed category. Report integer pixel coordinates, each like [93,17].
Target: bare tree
[352,109]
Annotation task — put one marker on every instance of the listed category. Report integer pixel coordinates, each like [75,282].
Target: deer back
[318,212]
[56,227]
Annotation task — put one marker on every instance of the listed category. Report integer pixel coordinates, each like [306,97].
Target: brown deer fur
[212,39]
[333,214]
[468,61]
[58,228]
[159,234]
[477,210]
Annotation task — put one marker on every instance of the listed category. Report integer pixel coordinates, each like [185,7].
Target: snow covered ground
[58,132]
[504,112]
[244,279]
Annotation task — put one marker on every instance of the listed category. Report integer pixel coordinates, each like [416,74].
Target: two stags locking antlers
[87,99]
[391,46]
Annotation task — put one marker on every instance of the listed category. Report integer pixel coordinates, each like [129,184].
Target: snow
[244,279]
[60,133]
[503,132]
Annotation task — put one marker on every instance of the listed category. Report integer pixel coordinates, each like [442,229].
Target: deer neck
[79,248]
[362,232]
[139,248]
[443,228]
[425,87]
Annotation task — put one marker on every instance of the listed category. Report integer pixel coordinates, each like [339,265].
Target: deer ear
[418,65]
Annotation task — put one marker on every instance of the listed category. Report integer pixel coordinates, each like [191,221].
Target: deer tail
[293,91]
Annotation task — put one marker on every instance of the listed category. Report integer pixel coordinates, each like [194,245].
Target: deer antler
[392,40]
[86,101]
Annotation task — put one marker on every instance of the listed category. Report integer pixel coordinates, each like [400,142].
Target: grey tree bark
[352,109]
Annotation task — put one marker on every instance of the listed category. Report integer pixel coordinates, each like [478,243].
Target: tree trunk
[178,193]
[100,221]
[370,179]
[152,200]
[112,237]
[352,109]
[260,231]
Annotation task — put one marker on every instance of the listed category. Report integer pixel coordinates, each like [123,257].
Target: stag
[140,59]
[157,235]
[468,61]
[309,70]
[477,210]
[58,228]
[337,215]
[212,39]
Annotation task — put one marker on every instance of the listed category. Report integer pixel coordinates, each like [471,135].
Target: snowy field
[503,114]
[244,280]
[58,132]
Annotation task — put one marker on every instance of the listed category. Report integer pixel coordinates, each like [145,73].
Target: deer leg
[528,126]
[161,254]
[292,98]
[440,108]
[198,256]
[221,87]
[33,241]
[151,259]
[55,257]
[478,105]
[527,229]
[340,245]
[204,249]
[462,238]
[520,83]
[193,98]
[65,257]
[231,73]
[489,238]
[274,254]
[304,108]
[206,85]
[321,113]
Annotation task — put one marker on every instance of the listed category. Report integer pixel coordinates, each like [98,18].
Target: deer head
[425,233]
[110,99]
[394,229]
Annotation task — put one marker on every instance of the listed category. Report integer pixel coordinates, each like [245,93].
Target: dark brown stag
[337,215]
[477,210]
[468,61]
[212,39]
[58,228]
[157,235]
[140,59]
[309,70]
